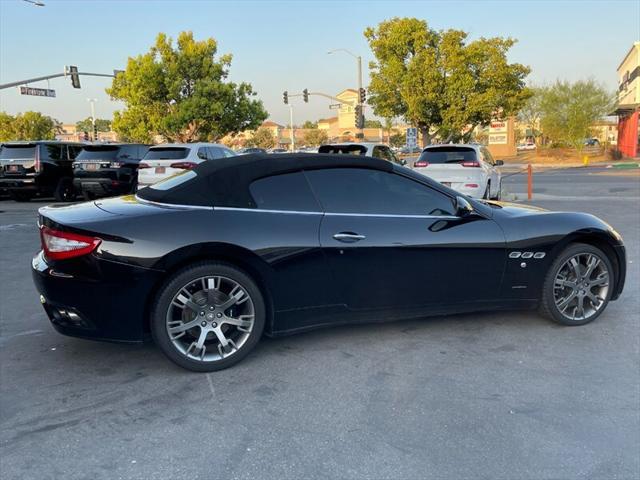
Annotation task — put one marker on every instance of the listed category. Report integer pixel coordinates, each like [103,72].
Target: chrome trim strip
[384,215]
[260,210]
[172,205]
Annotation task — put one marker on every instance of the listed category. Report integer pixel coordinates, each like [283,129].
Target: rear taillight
[59,245]
[421,163]
[36,165]
[471,185]
[184,165]
[144,165]
[116,164]
[470,164]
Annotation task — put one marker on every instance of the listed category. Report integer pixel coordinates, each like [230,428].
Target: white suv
[469,169]
[167,159]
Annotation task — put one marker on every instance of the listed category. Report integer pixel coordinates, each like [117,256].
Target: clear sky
[282,45]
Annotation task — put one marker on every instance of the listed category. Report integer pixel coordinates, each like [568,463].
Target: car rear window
[107,152]
[18,152]
[167,153]
[289,191]
[448,155]
[344,149]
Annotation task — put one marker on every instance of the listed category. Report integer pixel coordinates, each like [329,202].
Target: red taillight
[421,163]
[471,185]
[470,164]
[144,165]
[36,165]
[184,165]
[59,245]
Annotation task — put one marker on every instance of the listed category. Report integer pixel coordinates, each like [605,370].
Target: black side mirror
[499,163]
[463,207]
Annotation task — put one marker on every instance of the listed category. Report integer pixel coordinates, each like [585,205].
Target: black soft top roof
[225,182]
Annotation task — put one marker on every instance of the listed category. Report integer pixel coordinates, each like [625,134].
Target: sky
[282,45]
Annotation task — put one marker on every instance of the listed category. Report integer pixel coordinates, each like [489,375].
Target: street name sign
[37,92]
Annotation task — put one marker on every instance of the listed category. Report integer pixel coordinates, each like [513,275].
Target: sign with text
[37,92]
[412,137]
[498,133]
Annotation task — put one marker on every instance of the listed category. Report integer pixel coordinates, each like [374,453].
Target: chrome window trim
[333,214]
[172,205]
[260,210]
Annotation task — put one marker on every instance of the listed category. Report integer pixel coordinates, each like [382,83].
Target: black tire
[65,191]
[548,307]
[20,196]
[88,196]
[487,192]
[190,274]
[499,194]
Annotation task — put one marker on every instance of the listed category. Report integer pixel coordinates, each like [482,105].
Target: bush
[614,154]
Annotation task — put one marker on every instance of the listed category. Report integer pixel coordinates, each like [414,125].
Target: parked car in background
[104,170]
[526,146]
[410,150]
[592,142]
[278,150]
[468,168]
[245,151]
[162,161]
[369,149]
[40,168]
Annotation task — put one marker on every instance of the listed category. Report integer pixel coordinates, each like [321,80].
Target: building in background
[70,133]
[629,102]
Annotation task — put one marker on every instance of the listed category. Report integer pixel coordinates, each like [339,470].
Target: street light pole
[292,133]
[93,101]
[359,61]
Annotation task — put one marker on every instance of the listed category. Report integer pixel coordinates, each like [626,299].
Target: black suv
[40,168]
[109,169]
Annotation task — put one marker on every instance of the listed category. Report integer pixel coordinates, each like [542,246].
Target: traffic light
[363,95]
[285,97]
[85,136]
[305,95]
[359,117]
[95,132]
[75,78]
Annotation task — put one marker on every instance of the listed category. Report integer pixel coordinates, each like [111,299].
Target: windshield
[345,149]
[166,153]
[98,153]
[26,152]
[448,155]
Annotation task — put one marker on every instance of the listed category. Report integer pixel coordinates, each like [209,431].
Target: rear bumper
[24,184]
[94,298]
[102,186]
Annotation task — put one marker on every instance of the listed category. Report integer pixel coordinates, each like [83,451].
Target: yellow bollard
[585,161]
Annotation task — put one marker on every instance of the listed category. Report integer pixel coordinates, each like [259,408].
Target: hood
[513,209]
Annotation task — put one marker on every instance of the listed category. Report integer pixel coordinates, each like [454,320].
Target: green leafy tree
[182,92]
[263,138]
[310,124]
[569,109]
[397,140]
[28,126]
[372,124]
[439,81]
[315,137]
[531,112]
[102,124]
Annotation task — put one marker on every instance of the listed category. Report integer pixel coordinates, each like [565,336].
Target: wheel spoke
[211,285]
[180,327]
[575,265]
[242,322]
[601,281]
[183,300]
[237,296]
[560,283]
[592,263]
[564,303]
[580,306]
[224,341]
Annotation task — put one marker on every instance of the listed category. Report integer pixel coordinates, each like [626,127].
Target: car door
[393,242]
[494,174]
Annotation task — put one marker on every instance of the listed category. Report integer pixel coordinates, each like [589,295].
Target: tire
[20,196]
[499,194]
[88,196]
[487,192]
[166,314]
[557,288]
[65,191]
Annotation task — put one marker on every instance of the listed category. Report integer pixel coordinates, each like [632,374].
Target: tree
[372,124]
[397,140]
[310,124]
[102,124]
[569,109]
[437,80]
[315,137]
[27,126]
[263,138]
[183,93]
[531,112]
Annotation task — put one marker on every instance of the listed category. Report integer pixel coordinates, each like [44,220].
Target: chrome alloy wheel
[210,318]
[581,286]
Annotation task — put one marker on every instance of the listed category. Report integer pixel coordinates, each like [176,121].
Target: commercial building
[629,102]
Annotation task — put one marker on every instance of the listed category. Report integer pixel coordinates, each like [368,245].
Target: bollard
[529,182]
[585,161]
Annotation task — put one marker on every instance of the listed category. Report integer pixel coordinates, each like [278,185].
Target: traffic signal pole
[49,77]
[360,133]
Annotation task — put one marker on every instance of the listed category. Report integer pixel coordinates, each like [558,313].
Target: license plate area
[91,166]
[12,168]
[160,169]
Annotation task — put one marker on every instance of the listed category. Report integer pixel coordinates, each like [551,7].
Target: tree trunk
[426,136]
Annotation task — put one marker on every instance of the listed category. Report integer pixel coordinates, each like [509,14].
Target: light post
[359,62]
[34,2]
[94,133]
[292,133]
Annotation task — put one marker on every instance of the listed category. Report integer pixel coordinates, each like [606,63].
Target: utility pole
[94,132]
[293,136]
[358,58]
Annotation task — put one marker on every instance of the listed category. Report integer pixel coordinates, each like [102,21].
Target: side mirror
[463,207]
[499,163]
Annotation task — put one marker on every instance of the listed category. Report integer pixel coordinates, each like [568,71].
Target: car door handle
[348,237]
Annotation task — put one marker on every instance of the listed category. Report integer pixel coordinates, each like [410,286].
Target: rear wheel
[20,196]
[487,192]
[208,316]
[578,285]
[65,191]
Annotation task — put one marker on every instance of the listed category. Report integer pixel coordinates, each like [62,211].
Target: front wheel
[578,285]
[208,316]
[487,192]
[65,191]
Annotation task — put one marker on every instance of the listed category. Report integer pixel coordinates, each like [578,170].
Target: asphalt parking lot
[486,396]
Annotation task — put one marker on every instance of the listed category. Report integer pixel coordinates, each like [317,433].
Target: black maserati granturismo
[207,261]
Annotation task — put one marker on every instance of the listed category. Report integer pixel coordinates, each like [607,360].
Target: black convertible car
[207,261]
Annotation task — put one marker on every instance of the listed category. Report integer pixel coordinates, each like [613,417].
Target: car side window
[203,153]
[228,153]
[215,152]
[51,152]
[73,151]
[378,152]
[288,191]
[366,191]
[487,157]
